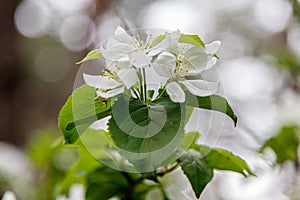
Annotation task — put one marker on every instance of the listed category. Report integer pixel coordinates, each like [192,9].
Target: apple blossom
[184,66]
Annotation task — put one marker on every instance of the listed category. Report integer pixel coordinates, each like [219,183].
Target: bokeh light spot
[52,64]
[272,15]
[32,18]
[77,32]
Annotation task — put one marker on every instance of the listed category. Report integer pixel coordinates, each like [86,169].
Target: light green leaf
[189,139]
[224,160]
[80,111]
[284,144]
[197,170]
[191,39]
[157,40]
[85,164]
[94,54]
[144,130]
[213,102]
[189,112]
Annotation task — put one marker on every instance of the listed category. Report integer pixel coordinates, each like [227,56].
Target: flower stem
[135,93]
[145,85]
[162,92]
[141,85]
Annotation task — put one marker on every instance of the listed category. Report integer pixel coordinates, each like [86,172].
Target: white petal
[114,52]
[140,59]
[120,63]
[122,36]
[110,93]
[168,44]
[101,82]
[149,37]
[9,196]
[213,47]
[77,192]
[154,194]
[201,87]
[111,66]
[123,62]
[165,64]
[111,42]
[154,51]
[175,92]
[211,62]
[177,186]
[92,80]
[197,58]
[173,38]
[128,77]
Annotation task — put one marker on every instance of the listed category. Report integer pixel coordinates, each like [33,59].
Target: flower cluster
[177,58]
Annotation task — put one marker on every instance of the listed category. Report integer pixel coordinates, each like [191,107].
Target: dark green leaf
[225,160]
[213,102]
[106,183]
[150,94]
[284,144]
[191,39]
[94,54]
[150,175]
[197,170]
[80,111]
[139,128]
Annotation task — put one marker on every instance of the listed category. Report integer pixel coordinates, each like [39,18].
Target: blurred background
[41,40]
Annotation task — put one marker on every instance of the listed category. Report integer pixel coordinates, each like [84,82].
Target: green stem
[164,89]
[145,85]
[136,94]
[141,84]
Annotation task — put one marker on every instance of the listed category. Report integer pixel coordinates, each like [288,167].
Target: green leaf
[86,163]
[197,170]
[143,130]
[94,54]
[189,139]
[213,102]
[157,40]
[224,160]
[191,39]
[105,183]
[80,111]
[150,175]
[150,94]
[284,144]
[189,112]
[95,141]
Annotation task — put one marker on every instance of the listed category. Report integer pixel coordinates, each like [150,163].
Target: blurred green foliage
[285,144]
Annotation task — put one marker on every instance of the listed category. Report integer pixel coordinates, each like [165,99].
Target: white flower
[181,64]
[211,49]
[177,186]
[125,56]
[124,48]
[106,86]
[8,195]
[76,192]
[168,44]
[184,67]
